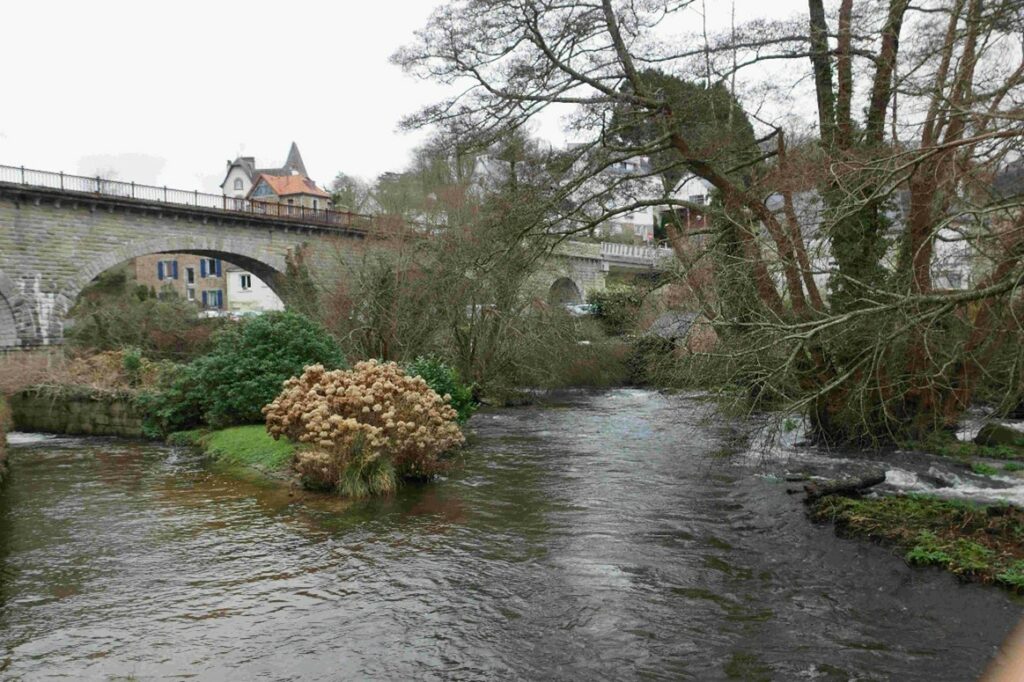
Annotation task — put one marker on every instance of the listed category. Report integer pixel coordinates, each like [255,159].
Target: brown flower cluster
[374,410]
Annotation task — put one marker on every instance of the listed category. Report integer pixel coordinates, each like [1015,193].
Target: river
[615,535]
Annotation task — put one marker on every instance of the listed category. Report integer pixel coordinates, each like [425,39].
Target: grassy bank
[242,447]
[981,543]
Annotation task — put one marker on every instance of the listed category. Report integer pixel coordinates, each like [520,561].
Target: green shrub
[131,363]
[444,379]
[110,315]
[244,371]
[649,358]
[617,309]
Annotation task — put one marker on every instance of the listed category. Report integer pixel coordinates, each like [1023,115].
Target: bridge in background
[59,231]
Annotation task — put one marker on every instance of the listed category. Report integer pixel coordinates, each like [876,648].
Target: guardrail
[634,252]
[100,186]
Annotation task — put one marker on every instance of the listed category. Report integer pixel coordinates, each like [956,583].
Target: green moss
[1013,466]
[984,469]
[977,542]
[946,445]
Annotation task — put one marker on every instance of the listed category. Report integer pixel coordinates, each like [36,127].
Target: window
[246,281]
[238,183]
[291,205]
[190,293]
[167,269]
[263,190]
[213,299]
[209,267]
[697,199]
[314,204]
[190,277]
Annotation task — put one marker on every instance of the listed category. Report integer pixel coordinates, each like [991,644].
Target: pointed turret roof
[294,161]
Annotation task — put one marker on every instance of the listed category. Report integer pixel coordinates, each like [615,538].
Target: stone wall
[4,417]
[92,415]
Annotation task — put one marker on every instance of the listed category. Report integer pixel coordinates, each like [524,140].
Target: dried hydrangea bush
[361,424]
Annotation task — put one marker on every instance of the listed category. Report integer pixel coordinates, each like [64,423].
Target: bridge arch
[238,252]
[564,291]
[262,263]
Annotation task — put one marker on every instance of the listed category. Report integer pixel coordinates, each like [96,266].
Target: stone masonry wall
[79,415]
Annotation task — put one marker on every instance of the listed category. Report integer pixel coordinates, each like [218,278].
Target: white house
[247,293]
[289,184]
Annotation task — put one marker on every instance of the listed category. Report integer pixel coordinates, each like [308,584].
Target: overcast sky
[165,93]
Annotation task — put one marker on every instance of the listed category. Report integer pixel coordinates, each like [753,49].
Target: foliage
[243,372]
[444,380]
[649,356]
[385,305]
[120,372]
[973,541]
[132,364]
[617,309]
[890,349]
[350,193]
[710,118]
[110,315]
[362,423]
[469,293]
[946,444]
[983,469]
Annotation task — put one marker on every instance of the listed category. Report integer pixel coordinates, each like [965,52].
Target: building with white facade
[290,185]
[248,294]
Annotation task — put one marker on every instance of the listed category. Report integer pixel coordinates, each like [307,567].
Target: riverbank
[975,542]
[243,450]
[964,516]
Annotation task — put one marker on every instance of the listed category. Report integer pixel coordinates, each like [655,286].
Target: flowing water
[615,535]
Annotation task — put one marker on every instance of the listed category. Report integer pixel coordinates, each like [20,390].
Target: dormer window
[238,183]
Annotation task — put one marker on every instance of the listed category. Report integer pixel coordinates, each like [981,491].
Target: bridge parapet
[631,254]
[79,186]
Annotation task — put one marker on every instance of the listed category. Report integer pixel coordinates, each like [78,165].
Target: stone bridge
[58,232]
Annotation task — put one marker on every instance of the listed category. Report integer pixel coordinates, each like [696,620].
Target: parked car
[581,309]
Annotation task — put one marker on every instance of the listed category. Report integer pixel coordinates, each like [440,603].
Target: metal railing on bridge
[100,186]
[611,250]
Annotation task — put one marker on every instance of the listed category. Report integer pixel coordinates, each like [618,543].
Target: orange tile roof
[285,185]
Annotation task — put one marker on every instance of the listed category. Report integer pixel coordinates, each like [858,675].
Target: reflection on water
[611,538]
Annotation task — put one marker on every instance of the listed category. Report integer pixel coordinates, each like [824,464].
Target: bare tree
[918,110]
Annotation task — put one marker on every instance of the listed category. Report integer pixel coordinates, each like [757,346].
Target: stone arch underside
[237,252]
[564,291]
[265,264]
[15,316]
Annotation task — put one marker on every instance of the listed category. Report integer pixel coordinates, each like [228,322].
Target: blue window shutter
[216,264]
[220,297]
[174,269]
[204,299]
[160,269]
[202,267]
